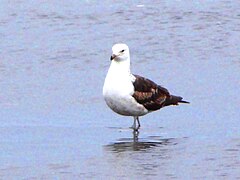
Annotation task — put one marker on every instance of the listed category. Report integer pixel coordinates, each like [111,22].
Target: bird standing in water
[132,95]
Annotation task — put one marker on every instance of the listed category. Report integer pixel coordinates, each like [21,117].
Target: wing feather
[149,94]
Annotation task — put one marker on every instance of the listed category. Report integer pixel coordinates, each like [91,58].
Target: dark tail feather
[174,100]
[184,102]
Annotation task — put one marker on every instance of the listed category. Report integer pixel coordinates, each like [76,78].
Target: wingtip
[184,102]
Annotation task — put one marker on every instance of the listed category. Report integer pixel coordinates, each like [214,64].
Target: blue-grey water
[54,56]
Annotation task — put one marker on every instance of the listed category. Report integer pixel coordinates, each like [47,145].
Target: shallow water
[53,60]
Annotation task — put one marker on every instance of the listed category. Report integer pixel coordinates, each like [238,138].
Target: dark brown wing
[149,94]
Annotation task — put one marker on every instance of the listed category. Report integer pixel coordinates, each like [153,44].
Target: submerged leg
[135,136]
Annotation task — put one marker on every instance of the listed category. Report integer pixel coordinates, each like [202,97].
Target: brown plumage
[153,96]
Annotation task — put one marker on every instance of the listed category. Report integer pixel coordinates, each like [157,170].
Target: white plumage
[118,87]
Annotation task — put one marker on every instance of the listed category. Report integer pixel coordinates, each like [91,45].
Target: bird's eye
[122,51]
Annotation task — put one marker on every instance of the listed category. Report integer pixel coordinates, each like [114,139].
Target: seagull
[132,95]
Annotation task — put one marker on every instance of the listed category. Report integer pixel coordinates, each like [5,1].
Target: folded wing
[149,94]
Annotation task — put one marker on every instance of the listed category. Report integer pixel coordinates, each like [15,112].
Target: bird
[128,94]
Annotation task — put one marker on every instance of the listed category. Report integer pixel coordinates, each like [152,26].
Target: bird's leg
[135,126]
[134,123]
[139,125]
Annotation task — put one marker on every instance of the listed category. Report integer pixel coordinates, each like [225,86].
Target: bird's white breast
[118,90]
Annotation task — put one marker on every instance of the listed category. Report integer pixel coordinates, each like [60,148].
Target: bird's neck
[122,67]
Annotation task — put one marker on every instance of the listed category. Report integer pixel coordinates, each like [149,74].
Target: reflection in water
[136,144]
[141,157]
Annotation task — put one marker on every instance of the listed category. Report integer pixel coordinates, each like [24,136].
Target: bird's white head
[120,52]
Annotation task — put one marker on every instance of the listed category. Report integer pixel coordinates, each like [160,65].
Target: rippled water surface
[54,56]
